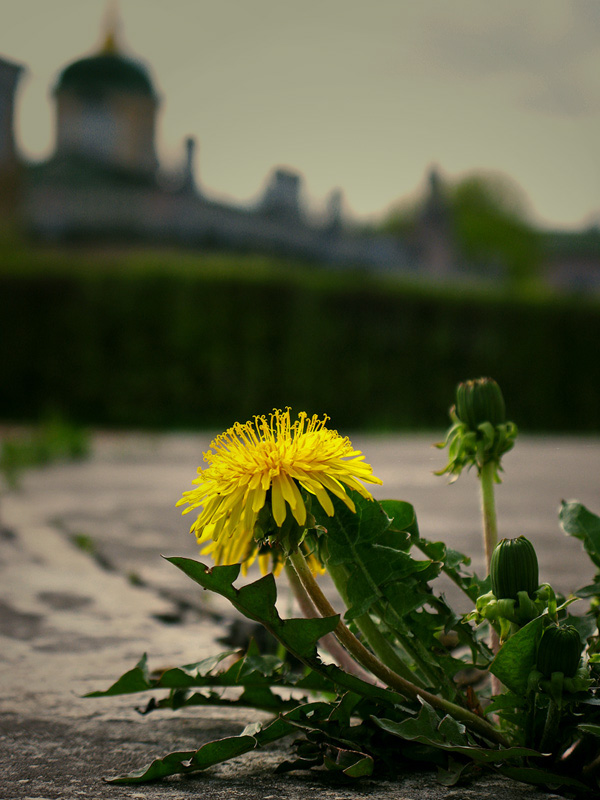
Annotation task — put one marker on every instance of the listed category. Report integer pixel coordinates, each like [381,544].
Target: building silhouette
[103,183]
[10,166]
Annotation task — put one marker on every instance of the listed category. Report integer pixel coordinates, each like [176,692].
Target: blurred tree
[489,221]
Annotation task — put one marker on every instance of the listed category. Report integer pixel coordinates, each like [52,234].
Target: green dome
[105,73]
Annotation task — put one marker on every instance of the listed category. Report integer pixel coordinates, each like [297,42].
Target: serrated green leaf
[257,602]
[576,520]
[453,565]
[452,731]
[541,777]
[517,657]
[423,728]
[376,693]
[454,558]
[373,554]
[216,752]
[217,579]
[352,763]
[186,677]
[252,697]
[402,517]
[298,764]
[264,698]
[453,773]
[300,636]
[347,529]
[135,680]
[315,682]
[361,768]
[400,600]
[590,728]
[259,598]
[267,665]
[380,565]
[189,675]
[345,706]
[171,764]
[591,590]
[506,701]
[179,763]
[426,730]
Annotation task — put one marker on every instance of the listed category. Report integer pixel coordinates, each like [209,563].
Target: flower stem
[490,540]
[330,643]
[375,639]
[488,508]
[592,767]
[372,663]
[413,648]
[550,728]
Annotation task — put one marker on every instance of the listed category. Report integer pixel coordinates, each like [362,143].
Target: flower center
[269,457]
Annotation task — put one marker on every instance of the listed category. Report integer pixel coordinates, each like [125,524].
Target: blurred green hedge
[191,351]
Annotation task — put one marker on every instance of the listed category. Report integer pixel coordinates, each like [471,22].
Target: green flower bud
[559,650]
[479,433]
[479,401]
[514,568]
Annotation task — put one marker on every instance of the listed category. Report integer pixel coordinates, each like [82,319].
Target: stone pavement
[84,592]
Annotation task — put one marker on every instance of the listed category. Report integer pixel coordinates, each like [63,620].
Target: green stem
[375,639]
[379,644]
[330,643]
[372,663]
[550,728]
[490,540]
[340,578]
[419,654]
[488,508]
[530,721]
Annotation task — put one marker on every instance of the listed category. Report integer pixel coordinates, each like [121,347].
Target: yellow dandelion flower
[264,465]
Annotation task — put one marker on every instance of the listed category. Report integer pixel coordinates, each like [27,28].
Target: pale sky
[364,95]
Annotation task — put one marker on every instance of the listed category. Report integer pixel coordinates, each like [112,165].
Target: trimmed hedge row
[185,350]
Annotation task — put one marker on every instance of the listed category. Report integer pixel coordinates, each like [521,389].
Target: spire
[189,181]
[335,210]
[112,25]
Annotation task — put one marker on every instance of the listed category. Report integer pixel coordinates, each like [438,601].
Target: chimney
[189,181]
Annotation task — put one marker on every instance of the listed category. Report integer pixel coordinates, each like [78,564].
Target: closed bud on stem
[514,568]
[480,433]
[559,650]
[479,401]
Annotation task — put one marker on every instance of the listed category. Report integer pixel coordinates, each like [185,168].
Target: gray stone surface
[84,592]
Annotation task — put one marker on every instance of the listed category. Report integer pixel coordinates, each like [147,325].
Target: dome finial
[112,24]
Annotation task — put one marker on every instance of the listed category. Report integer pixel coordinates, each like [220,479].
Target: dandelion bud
[479,401]
[514,568]
[480,433]
[559,651]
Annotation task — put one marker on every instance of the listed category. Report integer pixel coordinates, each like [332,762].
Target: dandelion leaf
[257,602]
[576,520]
[516,657]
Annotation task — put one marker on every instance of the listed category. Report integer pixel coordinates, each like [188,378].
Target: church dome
[105,73]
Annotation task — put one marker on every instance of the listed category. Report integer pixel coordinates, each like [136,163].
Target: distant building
[572,259]
[103,181]
[10,167]
[433,243]
[282,196]
[106,112]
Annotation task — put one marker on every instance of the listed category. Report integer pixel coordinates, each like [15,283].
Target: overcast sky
[364,95]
